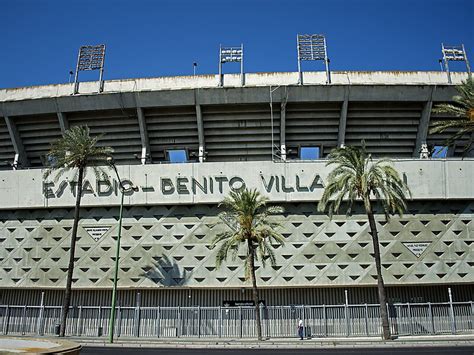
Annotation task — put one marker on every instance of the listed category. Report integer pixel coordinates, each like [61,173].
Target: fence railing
[239,322]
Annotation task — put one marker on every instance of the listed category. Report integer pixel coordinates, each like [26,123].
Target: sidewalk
[284,343]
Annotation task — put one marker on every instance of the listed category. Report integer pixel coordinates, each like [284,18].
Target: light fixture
[312,47]
[90,58]
[229,55]
[456,54]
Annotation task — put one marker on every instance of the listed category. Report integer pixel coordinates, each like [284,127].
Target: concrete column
[283,130]
[146,152]
[20,154]
[200,127]
[341,138]
[63,122]
[423,126]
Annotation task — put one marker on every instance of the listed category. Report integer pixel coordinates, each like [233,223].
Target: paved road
[458,350]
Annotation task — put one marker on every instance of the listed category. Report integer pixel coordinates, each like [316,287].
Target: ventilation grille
[389,129]
[172,128]
[119,128]
[7,152]
[240,133]
[312,124]
[37,133]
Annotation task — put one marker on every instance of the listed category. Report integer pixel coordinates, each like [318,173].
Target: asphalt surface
[452,350]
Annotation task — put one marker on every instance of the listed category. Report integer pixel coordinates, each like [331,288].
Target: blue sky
[41,38]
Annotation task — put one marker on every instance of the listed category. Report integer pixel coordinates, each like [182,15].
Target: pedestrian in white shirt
[300,329]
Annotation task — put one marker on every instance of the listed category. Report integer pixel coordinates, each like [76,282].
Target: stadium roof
[233,80]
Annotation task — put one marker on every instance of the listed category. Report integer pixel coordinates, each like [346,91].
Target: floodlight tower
[90,58]
[454,53]
[312,47]
[231,54]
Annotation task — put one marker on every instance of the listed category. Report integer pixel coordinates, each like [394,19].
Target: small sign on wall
[96,232]
[417,248]
[243,303]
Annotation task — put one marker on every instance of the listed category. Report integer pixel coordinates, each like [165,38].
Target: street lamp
[111,162]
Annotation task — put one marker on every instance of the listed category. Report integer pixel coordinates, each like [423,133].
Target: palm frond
[356,176]
[230,243]
[248,219]
[450,109]
[77,149]
[462,107]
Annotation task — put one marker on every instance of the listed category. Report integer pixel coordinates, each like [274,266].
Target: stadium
[185,143]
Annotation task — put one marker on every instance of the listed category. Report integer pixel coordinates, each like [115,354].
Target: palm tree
[246,215]
[75,151]
[355,177]
[463,107]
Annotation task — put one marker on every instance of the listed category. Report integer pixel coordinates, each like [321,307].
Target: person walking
[300,329]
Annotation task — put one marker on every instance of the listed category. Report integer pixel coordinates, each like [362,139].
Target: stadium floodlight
[455,54]
[90,58]
[228,55]
[310,48]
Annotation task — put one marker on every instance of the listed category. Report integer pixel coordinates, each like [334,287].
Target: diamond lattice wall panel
[170,246]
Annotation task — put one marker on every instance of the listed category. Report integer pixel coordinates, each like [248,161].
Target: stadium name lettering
[182,185]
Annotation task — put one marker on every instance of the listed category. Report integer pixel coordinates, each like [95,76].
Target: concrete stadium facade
[233,136]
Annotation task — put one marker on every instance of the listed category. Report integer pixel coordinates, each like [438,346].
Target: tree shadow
[166,272]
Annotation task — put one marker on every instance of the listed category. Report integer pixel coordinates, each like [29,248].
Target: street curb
[457,341]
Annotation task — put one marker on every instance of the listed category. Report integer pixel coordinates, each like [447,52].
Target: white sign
[417,248]
[96,232]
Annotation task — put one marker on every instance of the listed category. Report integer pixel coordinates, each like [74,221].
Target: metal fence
[239,322]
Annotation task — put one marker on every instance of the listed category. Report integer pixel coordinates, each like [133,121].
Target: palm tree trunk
[251,265]
[378,266]
[72,250]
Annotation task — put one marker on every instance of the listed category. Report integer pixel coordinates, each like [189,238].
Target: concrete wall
[233,80]
[167,235]
[164,184]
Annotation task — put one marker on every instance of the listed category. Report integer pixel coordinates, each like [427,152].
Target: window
[177,155]
[439,151]
[309,153]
